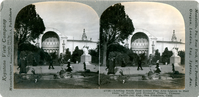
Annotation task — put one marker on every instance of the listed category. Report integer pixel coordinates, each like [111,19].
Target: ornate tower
[84,37]
[63,44]
[174,38]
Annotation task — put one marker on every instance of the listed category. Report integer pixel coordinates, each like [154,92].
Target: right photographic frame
[142,46]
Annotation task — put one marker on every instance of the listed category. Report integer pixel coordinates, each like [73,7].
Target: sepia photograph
[56,46]
[142,46]
[100,48]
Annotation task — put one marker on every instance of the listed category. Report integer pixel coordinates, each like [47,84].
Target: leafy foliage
[67,55]
[28,26]
[166,56]
[116,47]
[34,54]
[115,26]
[76,54]
[182,55]
[28,47]
[95,55]
[156,57]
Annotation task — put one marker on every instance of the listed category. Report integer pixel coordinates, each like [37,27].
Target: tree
[115,26]
[132,56]
[156,57]
[76,54]
[117,48]
[53,55]
[166,56]
[67,55]
[95,55]
[182,56]
[28,26]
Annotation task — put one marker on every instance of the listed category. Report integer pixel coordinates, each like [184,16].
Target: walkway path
[133,70]
[102,69]
[45,70]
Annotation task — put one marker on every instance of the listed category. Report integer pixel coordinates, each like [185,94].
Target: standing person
[84,66]
[86,70]
[51,63]
[157,63]
[173,68]
[150,60]
[157,67]
[68,63]
[68,66]
[139,63]
[61,61]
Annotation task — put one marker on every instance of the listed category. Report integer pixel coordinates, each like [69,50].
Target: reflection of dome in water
[50,42]
[140,43]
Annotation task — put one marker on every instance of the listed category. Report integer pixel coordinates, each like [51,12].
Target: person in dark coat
[51,63]
[139,63]
[69,69]
[86,70]
[68,63]
[68,66]
[84,66]
[173,68]
[157,67]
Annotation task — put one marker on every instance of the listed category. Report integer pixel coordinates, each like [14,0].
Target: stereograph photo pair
[99,48]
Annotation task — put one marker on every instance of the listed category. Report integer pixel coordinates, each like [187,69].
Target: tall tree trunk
[15,52]
[104,54]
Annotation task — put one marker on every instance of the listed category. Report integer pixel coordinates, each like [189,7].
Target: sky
[71,18]
[157,18]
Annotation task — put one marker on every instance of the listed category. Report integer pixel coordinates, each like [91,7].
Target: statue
[85,50]
[175,59]
[85,56]
[174,51]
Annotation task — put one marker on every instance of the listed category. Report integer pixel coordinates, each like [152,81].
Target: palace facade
[141,41]
[54,41]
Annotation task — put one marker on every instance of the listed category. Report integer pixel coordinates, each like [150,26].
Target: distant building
[143,42]
[54,41]
[140,42]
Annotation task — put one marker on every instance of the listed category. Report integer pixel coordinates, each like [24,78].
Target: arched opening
[50,42]
[140,43]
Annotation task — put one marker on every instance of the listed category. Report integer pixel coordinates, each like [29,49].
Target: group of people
[158,68]
[61,62]
[22,63]
[112,63]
